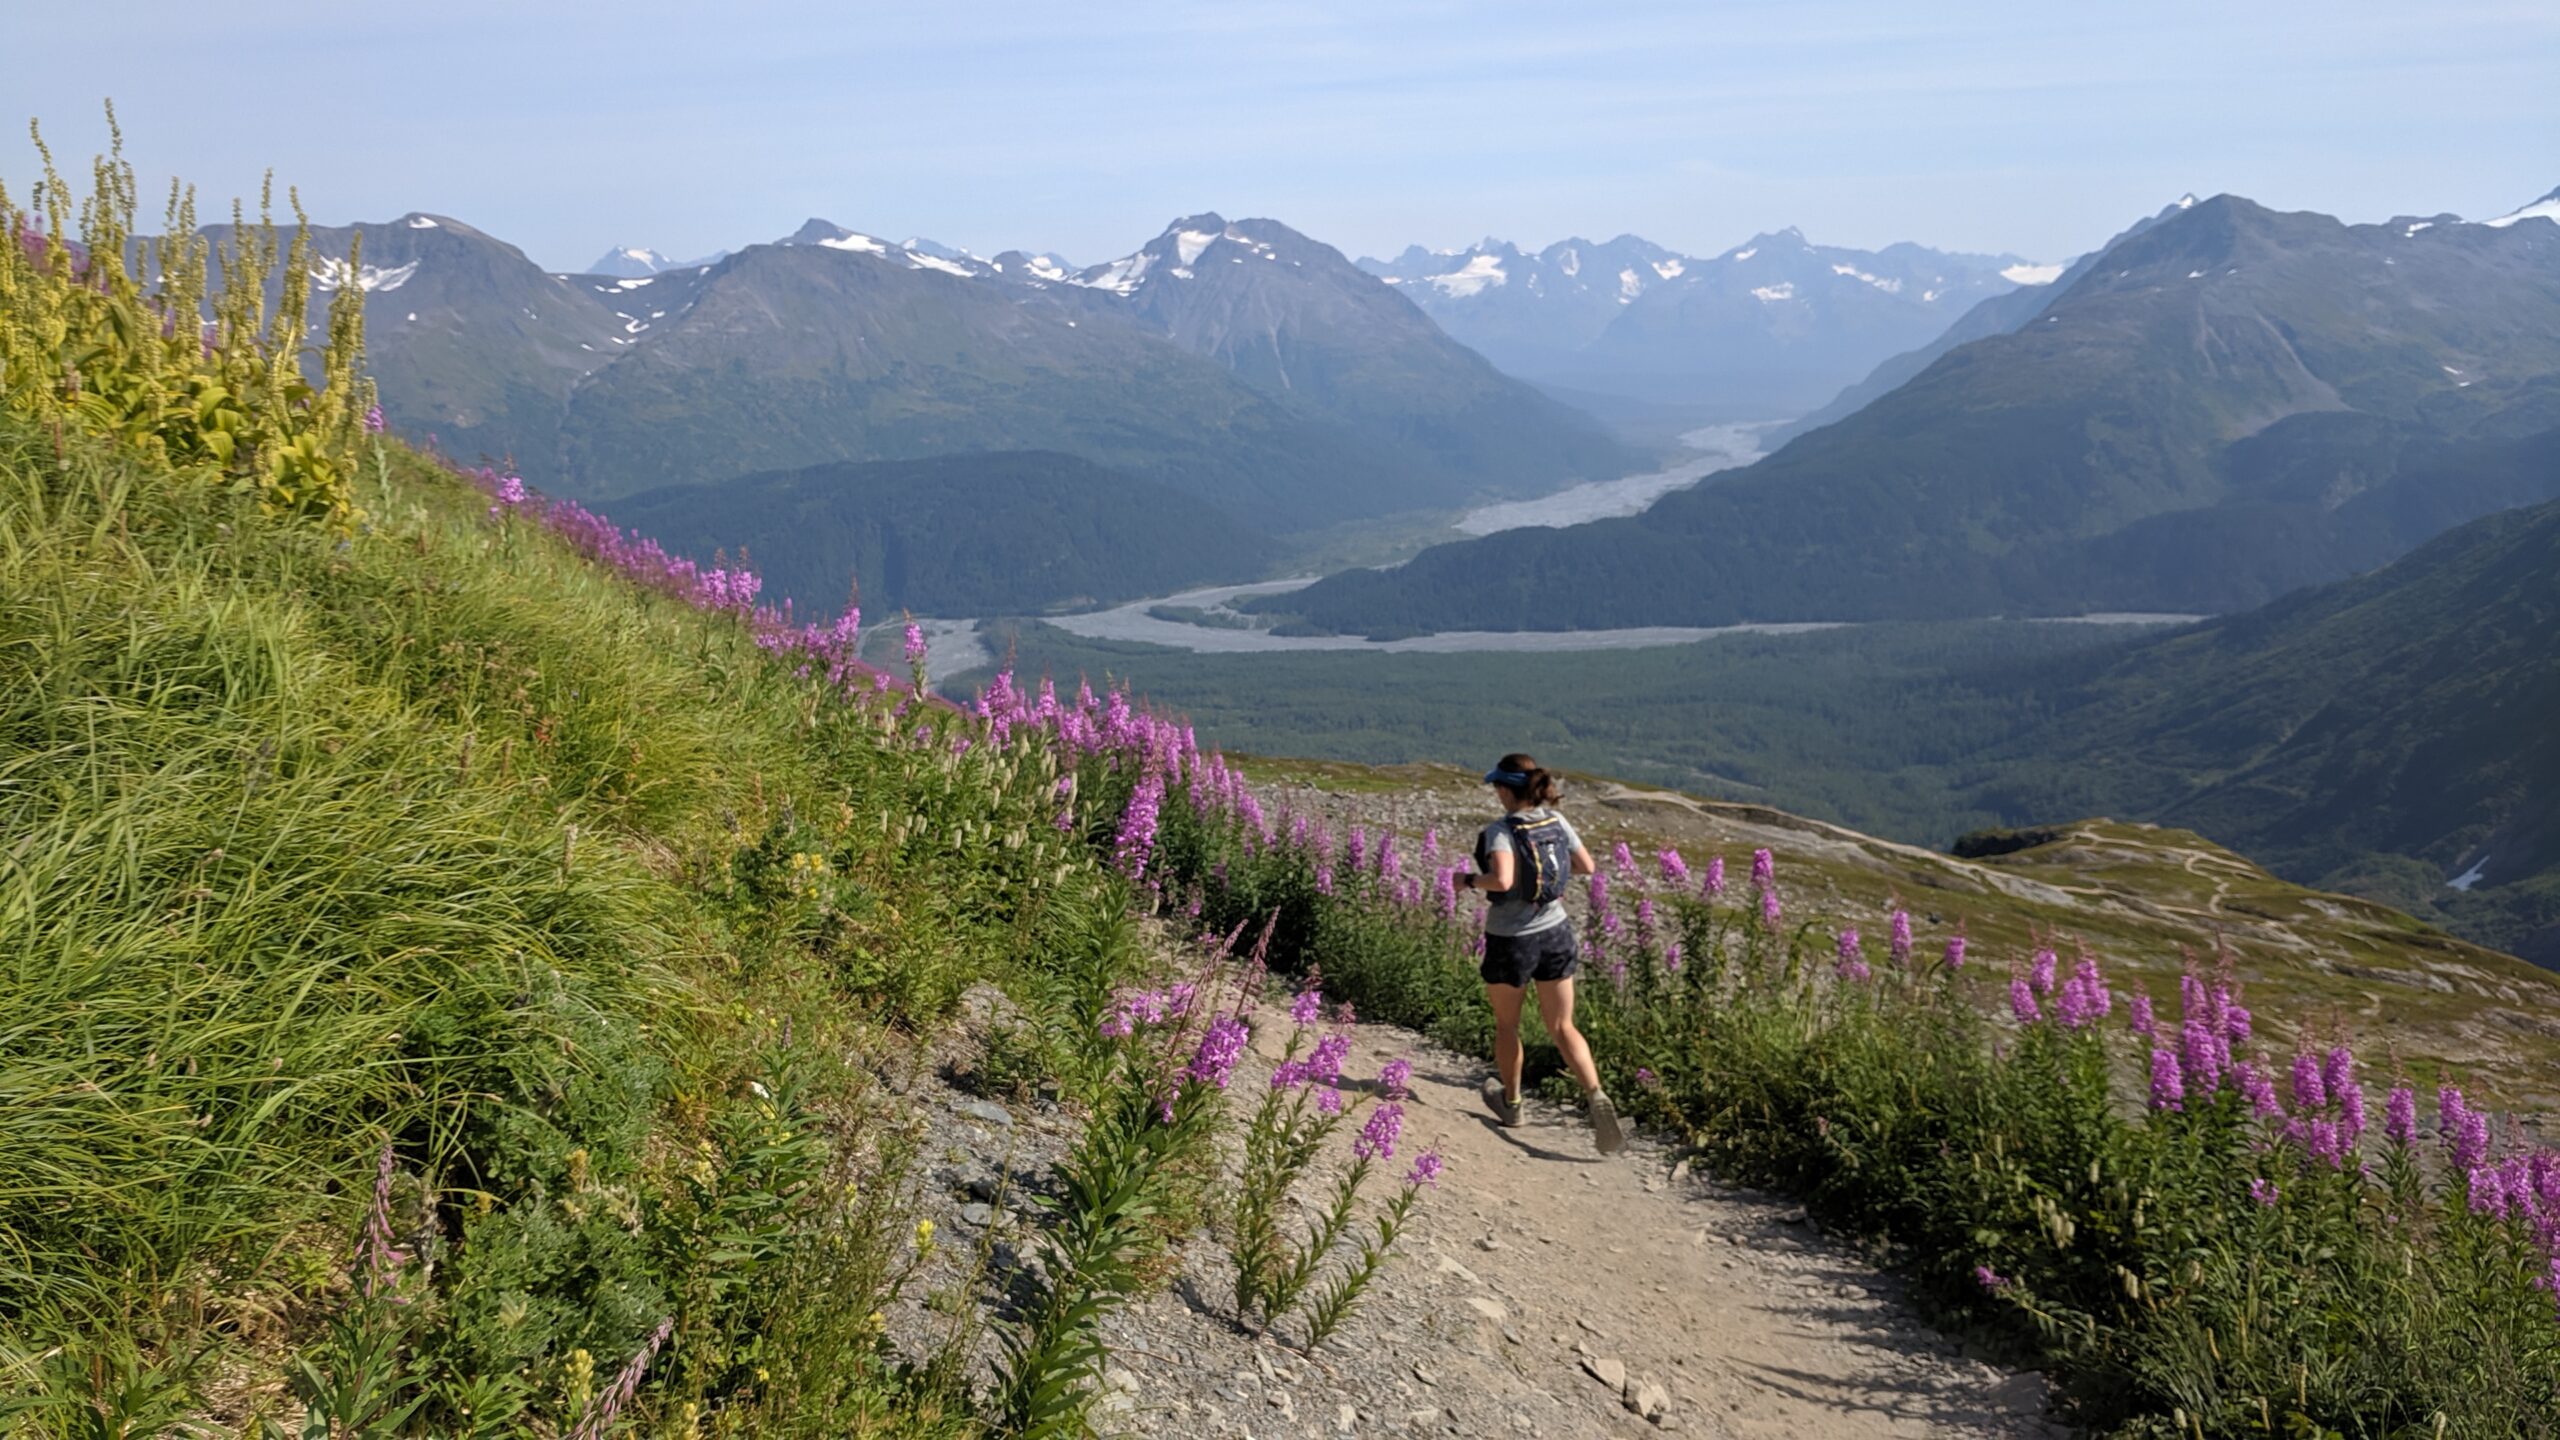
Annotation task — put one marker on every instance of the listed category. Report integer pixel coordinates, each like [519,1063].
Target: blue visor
[1508,779]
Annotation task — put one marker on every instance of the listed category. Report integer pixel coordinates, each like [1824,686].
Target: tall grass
[442,835]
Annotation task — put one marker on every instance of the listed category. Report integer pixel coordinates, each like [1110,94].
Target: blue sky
[1084,128]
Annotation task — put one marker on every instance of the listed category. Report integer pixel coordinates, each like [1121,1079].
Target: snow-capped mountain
[1771,327]
[2546,208]
[630,262]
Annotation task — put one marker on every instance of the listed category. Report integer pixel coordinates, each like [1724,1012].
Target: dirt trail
[1542,1288]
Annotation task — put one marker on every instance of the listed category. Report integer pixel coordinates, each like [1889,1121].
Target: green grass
[440,837]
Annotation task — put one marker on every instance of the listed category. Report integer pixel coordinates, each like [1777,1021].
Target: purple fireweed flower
[915,647]
[2338,1071]
[1771,912]
[1764,870]
[373,424]
[1646,1078]
[2310,1089]
[2326,1142]
[1715,879]
[2350,1113]
[1671,956]
[1955,951]
[1329,1100]
[2235,1022]
[2259,1090]
[1389,864]
[1852,964]
[1289,1075]
[1308,1008]
[1622,862]
[2400,1116]
[2084,999]
[1378,1138]
[1898,947]
[2138,1016]
[2168,1086]
[1356,853]
[1325,1062]
[2022,1001]
[1598,889]
[2263,1191]
[2471,1140]
[1135,844]
[1675,871]
[1220,1046]
[1395,1076]
[2040,972]
[2488,1191]
[2202,1053]
[1989,1279]
[1426,1170]
[1117,1025]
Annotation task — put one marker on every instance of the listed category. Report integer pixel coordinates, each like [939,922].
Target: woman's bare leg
[1507,1001]
[1555,1011]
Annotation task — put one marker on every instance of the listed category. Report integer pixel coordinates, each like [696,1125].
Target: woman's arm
[1499,878]
[1583,864]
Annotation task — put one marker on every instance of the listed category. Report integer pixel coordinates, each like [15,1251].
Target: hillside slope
[955,535]
[2393,735]
[2183,430]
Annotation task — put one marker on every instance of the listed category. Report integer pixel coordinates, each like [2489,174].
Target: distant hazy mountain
[2231,403]
[1299,395]
[1767,330]
[2390,736]
[1999,315]
[955,535]
[626,261]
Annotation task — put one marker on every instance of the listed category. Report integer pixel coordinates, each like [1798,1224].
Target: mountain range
[1769,329]
[1242,364]
[2225,404]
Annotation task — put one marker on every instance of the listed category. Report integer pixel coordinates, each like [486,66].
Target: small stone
[1116,1378]
[1488,1242]
[1452,1267]
[1281,1402]
[1423,1374]
[1649,1400]
[978,1215]
[982,1187]
[1679,1172]
[1344,1418]
[1490,1309]
[1796,1216]
[1512,1335]
[1612,1373]
[988,1111]
[1585,1322]
[1421,1417]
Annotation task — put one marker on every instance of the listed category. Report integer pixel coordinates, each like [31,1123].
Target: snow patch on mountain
[331,273]
[1479,272]
[1783,290]
[2047,274]
[2546,208]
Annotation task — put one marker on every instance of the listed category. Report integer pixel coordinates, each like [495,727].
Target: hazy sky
[1368,123]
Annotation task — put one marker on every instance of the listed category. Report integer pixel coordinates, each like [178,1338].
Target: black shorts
[1549,954]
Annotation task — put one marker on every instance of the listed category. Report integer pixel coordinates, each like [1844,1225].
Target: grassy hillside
[956,535]
[440,848]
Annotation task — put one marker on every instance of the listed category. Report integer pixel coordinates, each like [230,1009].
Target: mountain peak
[2546,208]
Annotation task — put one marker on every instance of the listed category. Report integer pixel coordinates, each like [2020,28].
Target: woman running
[1523,861]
